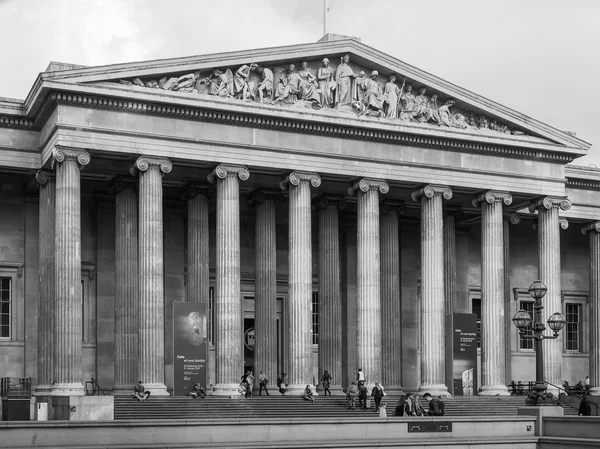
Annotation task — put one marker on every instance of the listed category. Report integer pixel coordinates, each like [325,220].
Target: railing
[92,388]
[15,387]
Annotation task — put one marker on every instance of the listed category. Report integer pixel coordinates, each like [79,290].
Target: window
[527,343]
[476,309]
[5,307]
[315,318]
[573,327]
[211,315]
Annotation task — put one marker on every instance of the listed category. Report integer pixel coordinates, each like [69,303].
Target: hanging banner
[190,342]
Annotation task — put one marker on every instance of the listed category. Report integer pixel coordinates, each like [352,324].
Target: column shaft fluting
[47,286]
[391,306]
[197,247]
[330,303]
[127,301]
[300,364]
[151,335]
[594,237]
[492,294]
[449,263]
[433,346]
[228,308]
[265,300]
[67,333]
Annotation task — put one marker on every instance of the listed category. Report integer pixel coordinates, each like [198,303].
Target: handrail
[556,386]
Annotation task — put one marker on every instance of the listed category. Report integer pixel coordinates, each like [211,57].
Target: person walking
[360,377]
[377,393]
[362,397]
[282,383]
[262,383]
[326,381]
[351,395]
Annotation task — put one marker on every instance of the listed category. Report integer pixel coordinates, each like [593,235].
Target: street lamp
[556,322]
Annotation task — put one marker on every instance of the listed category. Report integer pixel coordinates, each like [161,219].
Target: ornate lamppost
[556,322]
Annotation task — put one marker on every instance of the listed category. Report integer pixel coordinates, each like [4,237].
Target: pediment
[362,88]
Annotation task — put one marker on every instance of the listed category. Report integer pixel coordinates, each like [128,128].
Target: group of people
[410,405]
[579,389]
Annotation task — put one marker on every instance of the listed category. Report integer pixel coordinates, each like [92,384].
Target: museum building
[331,207]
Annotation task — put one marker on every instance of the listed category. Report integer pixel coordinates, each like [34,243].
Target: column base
[393,390]
[230,390]
[594,391]
[67,389]
[123,390]
[493,390]
[157,389]
[42,390]
[298,390]
[435,390]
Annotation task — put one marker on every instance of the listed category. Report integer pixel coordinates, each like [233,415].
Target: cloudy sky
[539,57]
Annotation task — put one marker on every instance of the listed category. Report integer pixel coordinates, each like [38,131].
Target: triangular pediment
[360,89]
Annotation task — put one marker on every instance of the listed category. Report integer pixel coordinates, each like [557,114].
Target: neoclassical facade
[328,216]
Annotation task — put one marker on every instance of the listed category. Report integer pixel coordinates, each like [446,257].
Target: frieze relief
[320,86]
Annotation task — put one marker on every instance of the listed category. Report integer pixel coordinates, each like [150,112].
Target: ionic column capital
[259,196]
[431,190]
[324,201]
[296,177]
[224,170]
[119,184]
[512,218]
[366,184]
[397,206]
[193,190]
[492,196]
[590,227]
[563,223]
[145,163]
[548,202]
[60,155]
[44,177]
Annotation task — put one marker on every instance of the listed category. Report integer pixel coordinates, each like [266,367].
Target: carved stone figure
[371,97]
[421,111]
[220,83]
[408,103]
[344,76]
[186,83]
[392,93]
[445,114]
[433,107]
[288,86]
[308,88]
[472,120]
[483,123]
[241,86]
[326,84]
[266,85]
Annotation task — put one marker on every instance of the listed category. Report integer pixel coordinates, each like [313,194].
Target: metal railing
[15,387]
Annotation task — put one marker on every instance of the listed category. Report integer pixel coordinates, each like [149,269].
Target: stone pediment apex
[236,77]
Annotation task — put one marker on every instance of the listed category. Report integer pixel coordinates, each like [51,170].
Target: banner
[461,354]
[190,343]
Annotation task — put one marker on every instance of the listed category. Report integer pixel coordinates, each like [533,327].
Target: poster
[190,338]
[461,354]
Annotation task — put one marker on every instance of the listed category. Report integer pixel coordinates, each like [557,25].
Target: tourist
[377,394]
[435,408]
[262,383]
[587,384]
[401,407]
[197,391]
[308,395]
[382,410]
[362,396]
[360,377]
[325,381]
[282,383]
[418,408]
[585,408]
[351,395]
[140,392]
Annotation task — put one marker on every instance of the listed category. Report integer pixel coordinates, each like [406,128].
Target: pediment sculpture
[336,90]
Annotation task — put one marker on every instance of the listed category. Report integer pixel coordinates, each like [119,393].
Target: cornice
[359,131]
[583,184]
[16,123]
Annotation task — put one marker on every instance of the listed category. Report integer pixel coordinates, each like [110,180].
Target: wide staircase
[213,407]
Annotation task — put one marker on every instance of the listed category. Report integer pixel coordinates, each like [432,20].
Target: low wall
[487,432]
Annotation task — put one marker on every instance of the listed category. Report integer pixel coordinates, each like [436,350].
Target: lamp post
[556,322]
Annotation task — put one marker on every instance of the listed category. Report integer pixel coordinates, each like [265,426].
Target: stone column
[228,311]
[508,326]
[265,288]
[198,277]
[391,299]
[433,343]
[493,324]
[549,226]
[449,263]
[593,230]
[47,284]
[127,302]
[300,280]
[368,308]
[67,311]
[330,299]
[151,367]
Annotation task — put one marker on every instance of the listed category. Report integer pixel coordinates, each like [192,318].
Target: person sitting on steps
[308,395]
[197,391]
[140,392]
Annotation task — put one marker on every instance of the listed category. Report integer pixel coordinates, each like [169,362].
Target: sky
[538,57]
